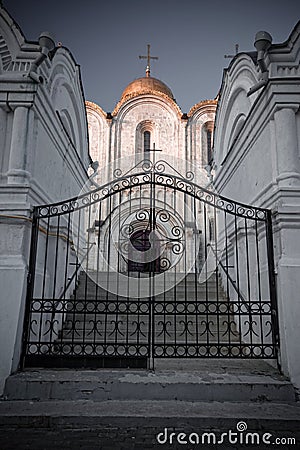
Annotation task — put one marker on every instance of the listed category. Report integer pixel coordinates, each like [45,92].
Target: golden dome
[146,85]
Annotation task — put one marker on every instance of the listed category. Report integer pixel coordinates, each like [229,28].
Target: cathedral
[148,117]
[148,235]
[148,125]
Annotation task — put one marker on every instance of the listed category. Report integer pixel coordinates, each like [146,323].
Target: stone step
[192,385]
[143,425]
[126,410]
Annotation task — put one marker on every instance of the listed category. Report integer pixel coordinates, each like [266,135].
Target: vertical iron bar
[196,258]
[164,294]
[97,281]
[128,272]
[272,284]
[107,276]
[85,302]
[249,288]
[219,346]
[227,285]
[259,285]
[44,282]
[75,292]
[185,278]
[151,274]
[54,286]
[238,278]
[118,270]
[63,313]
[206,324]
[30,285]
[175,275]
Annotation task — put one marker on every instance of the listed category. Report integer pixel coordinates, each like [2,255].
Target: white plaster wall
[257,162]
[41,161]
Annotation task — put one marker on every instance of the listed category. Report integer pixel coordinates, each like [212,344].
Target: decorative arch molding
[68,124]
[236,128]
[98,126]
[146,125]
[62,67]
[200,116]
[158,97]
[92,107]
[66,96]
[202,107]
[144,101]
[234,104]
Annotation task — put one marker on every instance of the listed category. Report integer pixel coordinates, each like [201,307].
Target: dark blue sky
[190,37]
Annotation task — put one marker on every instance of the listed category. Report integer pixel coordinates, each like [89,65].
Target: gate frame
[153,176]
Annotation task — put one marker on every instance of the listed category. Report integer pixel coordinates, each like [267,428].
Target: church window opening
[209,135]
[147,136]
[209,155]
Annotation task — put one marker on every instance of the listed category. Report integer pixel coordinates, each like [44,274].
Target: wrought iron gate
[149,265]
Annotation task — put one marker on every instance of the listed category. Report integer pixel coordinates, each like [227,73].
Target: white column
[17,158]
[3,118]
[287,147]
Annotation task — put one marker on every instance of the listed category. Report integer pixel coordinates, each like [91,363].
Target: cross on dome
[148,57]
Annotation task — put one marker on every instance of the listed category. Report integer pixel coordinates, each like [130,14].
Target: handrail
[70,281]
[75,273]
[233,283]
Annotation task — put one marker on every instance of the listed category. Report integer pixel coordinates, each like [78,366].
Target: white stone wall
[44,158]
[257,162]
[173,134]
[164,124]
[99,130]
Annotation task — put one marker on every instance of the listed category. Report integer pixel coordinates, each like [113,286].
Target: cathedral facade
[147,118]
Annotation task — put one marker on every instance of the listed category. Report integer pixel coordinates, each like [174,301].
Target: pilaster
[288,165]
[17,173]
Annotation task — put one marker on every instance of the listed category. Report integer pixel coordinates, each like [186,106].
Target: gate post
[30,284]
[272,283]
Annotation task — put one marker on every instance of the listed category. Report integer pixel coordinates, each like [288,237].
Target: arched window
[208,137]
[208,131]
[147,136]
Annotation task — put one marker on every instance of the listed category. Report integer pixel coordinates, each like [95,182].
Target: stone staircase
[127,409]
[172,327]
[140,409]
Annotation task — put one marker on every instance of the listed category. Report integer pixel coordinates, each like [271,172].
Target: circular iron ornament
[136,229]
[129,215]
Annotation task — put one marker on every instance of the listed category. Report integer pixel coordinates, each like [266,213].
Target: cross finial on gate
[148,57]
